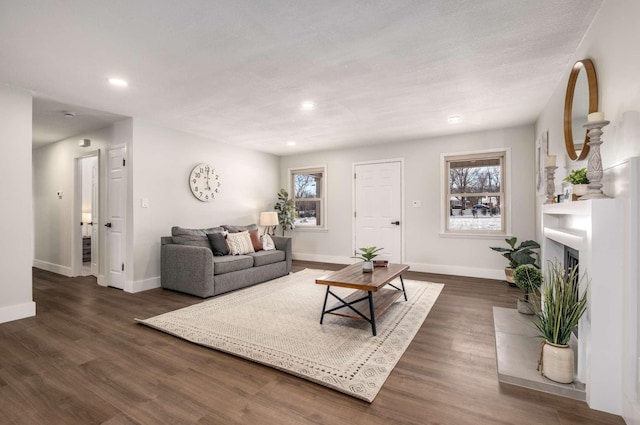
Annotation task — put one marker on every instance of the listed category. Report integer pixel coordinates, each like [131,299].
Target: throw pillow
[255,240]
[193,237]
[267,243]
[218,243]
[239,243]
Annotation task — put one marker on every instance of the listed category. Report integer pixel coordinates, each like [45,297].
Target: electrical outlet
[144,203]
[59,194]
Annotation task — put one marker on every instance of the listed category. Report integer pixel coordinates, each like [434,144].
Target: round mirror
[580,101]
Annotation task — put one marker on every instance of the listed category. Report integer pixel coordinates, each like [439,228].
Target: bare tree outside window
[308,195]
[475,193]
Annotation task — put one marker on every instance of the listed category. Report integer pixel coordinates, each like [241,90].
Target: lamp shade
[268,219]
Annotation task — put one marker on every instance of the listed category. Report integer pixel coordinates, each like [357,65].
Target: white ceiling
[236,71]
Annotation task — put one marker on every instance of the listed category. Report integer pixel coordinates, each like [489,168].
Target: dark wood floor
[83,360]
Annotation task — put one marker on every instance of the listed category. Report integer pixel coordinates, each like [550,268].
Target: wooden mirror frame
[592,81]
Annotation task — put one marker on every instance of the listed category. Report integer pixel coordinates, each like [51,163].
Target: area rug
[278,324]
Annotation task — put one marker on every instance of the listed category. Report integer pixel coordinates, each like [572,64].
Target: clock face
[205,183]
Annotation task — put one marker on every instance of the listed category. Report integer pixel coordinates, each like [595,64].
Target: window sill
[311,229]
[497,236]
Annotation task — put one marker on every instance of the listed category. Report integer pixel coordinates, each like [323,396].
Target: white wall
[161,161]
[612,44]
[16,226]
[54,218]
[425,249]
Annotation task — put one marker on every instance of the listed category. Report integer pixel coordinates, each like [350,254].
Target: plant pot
[367,266]
[580,189]
[508,274]
[557,362]
[524,307]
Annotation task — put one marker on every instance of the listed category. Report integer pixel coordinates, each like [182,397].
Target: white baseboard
[141,285]
[18,311]
[55,268]
[102,280]
[416,267]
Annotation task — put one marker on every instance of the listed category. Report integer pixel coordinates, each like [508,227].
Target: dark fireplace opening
[571,260]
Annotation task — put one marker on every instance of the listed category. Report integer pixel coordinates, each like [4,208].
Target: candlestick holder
[594,164]
[550,171]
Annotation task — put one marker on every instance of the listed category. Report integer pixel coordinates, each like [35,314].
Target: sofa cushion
[194,237]
[231,263]
[262,258]
[239,243]
[255,240]
[235,229]
[218,243]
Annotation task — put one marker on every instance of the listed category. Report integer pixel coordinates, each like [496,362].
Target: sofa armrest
[283,243]
[187,269]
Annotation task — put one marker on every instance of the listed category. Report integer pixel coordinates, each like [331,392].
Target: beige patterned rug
[278,324]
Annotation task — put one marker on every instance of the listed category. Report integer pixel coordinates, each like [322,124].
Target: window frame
[322,199]
[505,193]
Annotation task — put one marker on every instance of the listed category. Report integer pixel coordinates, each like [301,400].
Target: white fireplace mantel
[595,229]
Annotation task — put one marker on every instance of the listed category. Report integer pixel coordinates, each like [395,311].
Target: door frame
[353,201]
[76,231]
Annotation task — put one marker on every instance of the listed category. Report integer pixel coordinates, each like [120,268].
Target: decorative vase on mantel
[580,189]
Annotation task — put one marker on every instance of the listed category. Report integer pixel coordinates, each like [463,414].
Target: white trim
[141,285]
[480,273]
[76,215]
[324,197]
[506,182]
[55,268]
[102,280]
[17,312]
[402,209]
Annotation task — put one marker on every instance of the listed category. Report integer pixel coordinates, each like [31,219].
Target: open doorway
[87,209]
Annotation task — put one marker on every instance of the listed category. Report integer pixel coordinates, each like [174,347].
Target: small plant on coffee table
[367,255]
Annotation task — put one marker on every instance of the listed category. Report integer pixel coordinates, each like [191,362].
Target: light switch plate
[145,203]
[416,204]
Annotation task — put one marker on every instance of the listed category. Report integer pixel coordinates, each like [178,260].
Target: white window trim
[325,197]
[506,181]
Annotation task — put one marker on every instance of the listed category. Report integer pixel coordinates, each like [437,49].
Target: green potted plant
[561,308]
[286,209]
[578,178]
[528,278]
[517,256]
[367,255]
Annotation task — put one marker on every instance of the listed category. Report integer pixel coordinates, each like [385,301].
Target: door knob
[397,223]
[107,225]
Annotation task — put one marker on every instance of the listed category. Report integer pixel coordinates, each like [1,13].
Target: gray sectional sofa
[188,263]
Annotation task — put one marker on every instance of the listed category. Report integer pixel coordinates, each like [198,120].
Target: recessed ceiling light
[291,143]
[307,105]
[454,119]
[118,82]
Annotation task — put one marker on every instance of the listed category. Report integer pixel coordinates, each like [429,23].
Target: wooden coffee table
[366,284]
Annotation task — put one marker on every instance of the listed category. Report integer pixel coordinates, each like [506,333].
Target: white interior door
[95,216]
[115,221]
[378,208]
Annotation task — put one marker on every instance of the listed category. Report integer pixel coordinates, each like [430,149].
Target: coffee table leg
[403,290]
[324,306]
[372,314]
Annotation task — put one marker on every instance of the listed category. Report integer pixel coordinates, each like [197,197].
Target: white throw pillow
[239,243]
[267,243]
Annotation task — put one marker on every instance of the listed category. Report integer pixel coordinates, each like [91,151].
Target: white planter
[580,189]
[557,362]
[367,266]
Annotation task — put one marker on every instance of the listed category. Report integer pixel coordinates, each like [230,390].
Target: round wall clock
[205,182]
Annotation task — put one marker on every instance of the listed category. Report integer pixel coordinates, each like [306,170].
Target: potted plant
[559,313]
[517,256]
[286,209]
[367,256]
[579,180]
[528,278]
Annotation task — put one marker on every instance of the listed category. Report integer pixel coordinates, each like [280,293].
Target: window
[309,196]
[475,193]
